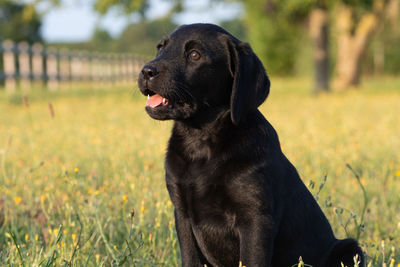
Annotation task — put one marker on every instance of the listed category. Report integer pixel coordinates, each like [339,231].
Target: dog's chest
[199,189]
[204,195]
[210,209]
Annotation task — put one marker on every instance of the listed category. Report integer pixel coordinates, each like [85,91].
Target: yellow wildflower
[142,207]
[146,167]
[17,200]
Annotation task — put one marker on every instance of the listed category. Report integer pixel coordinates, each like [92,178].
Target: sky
[75,20]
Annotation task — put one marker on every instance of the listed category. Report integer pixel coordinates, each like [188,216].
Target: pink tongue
[154,101]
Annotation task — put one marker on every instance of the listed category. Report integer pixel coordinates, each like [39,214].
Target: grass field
[82,180]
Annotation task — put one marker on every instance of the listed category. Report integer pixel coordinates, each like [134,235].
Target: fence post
[130,67]
[124,68]
[118,69]
[24,66]
[2,75]
[104,78]
[94,67]
[52,69]
[137,67]
[107,67]
[76,67]
[10,67]
[65,67]
[37,63]
[84,57]
[114,67]
[110,67]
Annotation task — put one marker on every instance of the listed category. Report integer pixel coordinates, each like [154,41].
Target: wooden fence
[23,66]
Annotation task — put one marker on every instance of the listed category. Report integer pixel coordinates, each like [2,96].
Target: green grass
[86,187]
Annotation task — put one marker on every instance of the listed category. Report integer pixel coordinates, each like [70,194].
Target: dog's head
[202,68]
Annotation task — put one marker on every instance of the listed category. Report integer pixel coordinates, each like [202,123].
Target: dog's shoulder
[224,146]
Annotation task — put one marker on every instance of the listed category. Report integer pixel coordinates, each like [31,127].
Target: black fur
[236,196]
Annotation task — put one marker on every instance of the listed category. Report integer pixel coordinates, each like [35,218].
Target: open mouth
[155,100]
[165,106]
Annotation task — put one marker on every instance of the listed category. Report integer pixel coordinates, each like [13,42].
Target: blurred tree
[237,27]
[275,30]
[101,35]
[356,23]
[101,40]
[387,54]
[272,34]
[319,32]
[142,37]
[19,22]
[137,38]
[275,27]
[127,6]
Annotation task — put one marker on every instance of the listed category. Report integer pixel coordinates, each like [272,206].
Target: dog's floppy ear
[250,82]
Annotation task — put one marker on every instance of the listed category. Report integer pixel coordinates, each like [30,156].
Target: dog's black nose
[149,72]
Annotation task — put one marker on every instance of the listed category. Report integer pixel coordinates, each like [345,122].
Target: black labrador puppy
[237,198]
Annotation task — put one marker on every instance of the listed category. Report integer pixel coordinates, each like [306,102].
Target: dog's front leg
[256,242]
[190,253]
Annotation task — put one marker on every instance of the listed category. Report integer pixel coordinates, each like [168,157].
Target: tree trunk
[392,14]
[379,56]
[352,42]
[319,31]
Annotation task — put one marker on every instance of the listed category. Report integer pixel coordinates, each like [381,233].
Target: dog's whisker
[184,91]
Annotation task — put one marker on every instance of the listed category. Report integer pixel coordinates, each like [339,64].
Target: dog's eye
[159,48]
[194,55]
